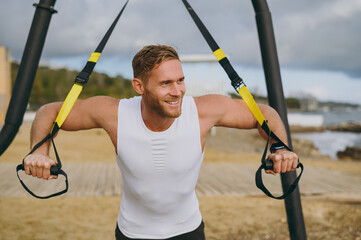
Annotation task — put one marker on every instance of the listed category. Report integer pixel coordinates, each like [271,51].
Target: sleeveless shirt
[159,173]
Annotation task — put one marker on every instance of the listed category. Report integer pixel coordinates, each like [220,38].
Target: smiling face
[163,91]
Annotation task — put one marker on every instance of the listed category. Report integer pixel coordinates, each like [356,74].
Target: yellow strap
[219,54]
[94,57]
[68,104]
[248,99]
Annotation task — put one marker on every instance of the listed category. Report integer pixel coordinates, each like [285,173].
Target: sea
[329,142]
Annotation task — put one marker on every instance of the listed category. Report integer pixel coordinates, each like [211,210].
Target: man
[159,139]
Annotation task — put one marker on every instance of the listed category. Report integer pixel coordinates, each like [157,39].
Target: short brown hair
[149,57]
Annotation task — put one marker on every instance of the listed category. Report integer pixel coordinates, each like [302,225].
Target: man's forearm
[274,122]
[42,125]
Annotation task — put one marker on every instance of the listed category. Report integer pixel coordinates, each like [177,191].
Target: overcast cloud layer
[318,35]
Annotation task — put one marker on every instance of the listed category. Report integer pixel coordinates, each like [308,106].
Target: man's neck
[153,121]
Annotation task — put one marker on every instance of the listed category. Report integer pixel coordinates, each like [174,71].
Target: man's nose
[176,90]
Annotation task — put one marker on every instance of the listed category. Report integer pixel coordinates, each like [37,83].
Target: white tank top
[159,173]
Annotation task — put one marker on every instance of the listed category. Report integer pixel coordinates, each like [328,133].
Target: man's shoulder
[110,101]
[102,101]
[210,100]
[130,101]
[213,107]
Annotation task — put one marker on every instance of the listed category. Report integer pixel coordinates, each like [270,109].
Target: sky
[318,42]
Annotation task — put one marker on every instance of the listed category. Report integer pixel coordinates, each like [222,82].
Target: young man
[159,139]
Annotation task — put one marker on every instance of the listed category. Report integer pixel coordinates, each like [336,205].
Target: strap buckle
[237,83]
[82,78]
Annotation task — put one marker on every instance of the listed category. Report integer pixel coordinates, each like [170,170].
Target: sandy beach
[327,216]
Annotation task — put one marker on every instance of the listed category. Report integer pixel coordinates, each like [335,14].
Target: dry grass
[226,217]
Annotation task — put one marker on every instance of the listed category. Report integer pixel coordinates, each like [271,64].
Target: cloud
[322,34]
[318,92]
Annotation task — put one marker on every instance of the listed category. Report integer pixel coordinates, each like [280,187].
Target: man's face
[164,90]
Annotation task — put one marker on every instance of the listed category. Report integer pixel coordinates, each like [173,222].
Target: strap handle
[268,165]
[82,78]
[54,170]
[242,90]
[79,83]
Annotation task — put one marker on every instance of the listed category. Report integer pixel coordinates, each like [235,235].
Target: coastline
[340,141]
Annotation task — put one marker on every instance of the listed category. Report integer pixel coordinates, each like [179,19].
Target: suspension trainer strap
[79,83]
[83,77]
[240,88]
[268,165]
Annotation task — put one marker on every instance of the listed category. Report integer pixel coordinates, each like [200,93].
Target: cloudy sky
[318,42]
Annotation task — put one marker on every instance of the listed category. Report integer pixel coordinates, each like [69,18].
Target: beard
[160,107]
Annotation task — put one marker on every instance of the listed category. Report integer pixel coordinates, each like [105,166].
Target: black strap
[226,65]
[81,79]
[238,84]
[83,76]
[54,170]
[268,165]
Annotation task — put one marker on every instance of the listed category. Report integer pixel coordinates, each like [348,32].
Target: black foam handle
[54,170]
[268,164]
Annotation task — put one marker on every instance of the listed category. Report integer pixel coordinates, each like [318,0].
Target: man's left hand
[283,161]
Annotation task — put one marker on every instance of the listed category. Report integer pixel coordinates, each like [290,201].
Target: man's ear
[138,85]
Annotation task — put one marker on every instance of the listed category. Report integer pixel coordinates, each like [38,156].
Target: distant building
[201,78]
[5,82]
[309,104]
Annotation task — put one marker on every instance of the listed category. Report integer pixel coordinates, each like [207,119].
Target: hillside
[54,84]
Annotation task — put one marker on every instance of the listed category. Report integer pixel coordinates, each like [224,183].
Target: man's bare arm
[96,112]
[217,110]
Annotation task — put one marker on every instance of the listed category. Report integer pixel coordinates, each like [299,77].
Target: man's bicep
[220,110]
[90,113]
[236,114]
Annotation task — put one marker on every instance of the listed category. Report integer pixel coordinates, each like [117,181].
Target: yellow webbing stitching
[219,54]
[94,57]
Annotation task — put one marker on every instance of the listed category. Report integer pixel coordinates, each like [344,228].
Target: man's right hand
[38,165]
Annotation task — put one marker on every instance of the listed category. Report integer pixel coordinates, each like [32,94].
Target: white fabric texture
[159,173]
